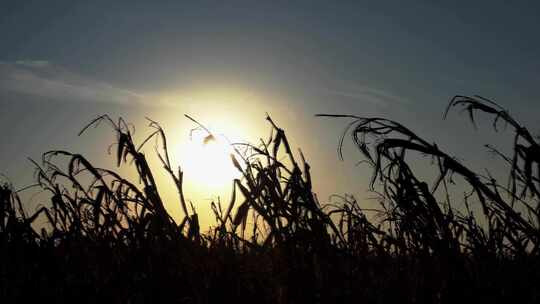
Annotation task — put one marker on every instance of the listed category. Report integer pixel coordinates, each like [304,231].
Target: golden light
[207,164]
[235,115]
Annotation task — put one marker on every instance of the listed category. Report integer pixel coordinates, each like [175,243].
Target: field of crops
[106,238]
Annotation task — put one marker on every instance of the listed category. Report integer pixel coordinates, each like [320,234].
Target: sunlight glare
[207,163]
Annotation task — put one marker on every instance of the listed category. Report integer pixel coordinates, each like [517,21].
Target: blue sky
[64,62]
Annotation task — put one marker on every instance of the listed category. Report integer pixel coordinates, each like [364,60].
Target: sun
[206,162]
[207,167]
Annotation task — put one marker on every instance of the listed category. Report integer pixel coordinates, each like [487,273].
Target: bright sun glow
[228,113]
[206,161]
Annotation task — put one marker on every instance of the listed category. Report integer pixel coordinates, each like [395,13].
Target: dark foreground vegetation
[109,239]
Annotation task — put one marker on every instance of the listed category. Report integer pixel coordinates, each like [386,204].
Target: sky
[228,63]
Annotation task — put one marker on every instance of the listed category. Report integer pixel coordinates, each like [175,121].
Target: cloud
[33,63]
[370,95]
[44,79]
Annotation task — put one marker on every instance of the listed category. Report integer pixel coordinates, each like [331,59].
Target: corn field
[106,238]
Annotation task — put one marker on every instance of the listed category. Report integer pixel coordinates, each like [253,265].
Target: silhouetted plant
[108,238]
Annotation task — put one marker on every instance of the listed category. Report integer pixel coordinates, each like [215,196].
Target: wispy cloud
[369,94]
[44,79]
[33,63]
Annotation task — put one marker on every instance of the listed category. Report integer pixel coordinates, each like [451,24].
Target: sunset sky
[228,63]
